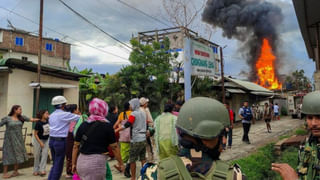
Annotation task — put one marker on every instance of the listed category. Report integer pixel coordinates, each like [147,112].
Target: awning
[53,85]
[235,91]
[261,93]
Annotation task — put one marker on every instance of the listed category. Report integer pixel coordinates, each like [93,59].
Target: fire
[266,68]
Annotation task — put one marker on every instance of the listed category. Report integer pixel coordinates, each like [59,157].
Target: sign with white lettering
[202,59]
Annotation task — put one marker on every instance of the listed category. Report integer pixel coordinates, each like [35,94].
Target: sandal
[15,174]
[43,173]
[68,176]
[6,176]
[118,168]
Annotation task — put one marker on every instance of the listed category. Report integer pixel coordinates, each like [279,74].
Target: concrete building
[24,46]
[176,36]
[18,74]
[308,16]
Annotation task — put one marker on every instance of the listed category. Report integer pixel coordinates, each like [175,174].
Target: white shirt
[59,122]
[276,108]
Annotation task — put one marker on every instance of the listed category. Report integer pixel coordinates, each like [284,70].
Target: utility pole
[222,76]
[39,57]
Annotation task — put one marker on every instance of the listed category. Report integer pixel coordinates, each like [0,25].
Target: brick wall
[30,45]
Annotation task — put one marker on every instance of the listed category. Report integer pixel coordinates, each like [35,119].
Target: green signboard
[202,59]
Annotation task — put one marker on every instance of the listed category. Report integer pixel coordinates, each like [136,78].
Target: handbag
[124,135]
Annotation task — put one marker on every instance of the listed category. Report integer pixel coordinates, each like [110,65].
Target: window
[215,49]
[48,46]
[19,41]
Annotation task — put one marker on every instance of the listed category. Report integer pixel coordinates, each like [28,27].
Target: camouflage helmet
[203,117]
[311,103]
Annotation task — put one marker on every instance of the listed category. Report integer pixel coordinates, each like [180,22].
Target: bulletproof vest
[173,168]
[247,114]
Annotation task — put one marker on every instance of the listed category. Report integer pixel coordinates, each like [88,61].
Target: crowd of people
[87,142]
[84,140]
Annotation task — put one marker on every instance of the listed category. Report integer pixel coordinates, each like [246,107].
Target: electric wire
[138,10]
[94,25]
[65,35]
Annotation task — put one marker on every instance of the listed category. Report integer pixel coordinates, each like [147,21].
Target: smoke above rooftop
[248,21]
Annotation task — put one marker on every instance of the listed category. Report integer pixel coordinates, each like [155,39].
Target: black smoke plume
[248,21]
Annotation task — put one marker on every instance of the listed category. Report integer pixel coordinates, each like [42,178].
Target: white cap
[143,101]
[57,100]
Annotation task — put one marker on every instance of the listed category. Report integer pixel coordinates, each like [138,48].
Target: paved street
[258,136]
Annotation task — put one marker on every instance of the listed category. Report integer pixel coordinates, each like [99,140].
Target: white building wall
[45,60]
[19,92]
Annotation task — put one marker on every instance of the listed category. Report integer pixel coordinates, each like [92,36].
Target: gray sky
[121,21]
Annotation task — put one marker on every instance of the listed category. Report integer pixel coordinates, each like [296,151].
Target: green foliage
[284,111]
[202,87]
[289,156]
[148,76]
[301,132]
[258,165]
[298,81]
[283,137]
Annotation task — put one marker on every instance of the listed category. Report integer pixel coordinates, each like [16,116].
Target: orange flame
[266,69]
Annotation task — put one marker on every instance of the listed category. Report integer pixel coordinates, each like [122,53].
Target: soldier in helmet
[200,125]
[309,154]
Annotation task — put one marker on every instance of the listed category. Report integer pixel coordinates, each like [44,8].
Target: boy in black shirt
[41,143]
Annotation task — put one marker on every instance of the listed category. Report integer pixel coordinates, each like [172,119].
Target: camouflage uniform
[309,154]
[309,165]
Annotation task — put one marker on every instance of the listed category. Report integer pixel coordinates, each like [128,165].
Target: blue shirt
[59,122]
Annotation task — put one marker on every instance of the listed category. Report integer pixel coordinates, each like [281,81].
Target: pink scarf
[98,110]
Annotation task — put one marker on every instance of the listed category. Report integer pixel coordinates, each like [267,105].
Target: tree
[297,81]
[149,73]
[203,86]
[186,13]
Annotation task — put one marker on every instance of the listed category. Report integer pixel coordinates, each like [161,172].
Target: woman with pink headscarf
[92,140]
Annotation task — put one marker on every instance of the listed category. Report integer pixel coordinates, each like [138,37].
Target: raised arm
[27,119]
[71,117]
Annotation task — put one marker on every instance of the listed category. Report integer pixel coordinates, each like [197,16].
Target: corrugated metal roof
[235,91]
[262,93]
[249,85]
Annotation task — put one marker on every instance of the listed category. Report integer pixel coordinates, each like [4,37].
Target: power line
[86,44]
[97,27]
[132,7]
[15,6]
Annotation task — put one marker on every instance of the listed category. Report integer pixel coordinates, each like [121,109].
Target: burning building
[254,24]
